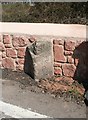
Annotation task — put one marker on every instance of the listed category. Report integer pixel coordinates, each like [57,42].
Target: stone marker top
[40,47]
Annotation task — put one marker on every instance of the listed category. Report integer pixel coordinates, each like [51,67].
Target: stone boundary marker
[41,59]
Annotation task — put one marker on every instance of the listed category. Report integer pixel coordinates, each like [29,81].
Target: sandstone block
[59,53]
[69,45]
[19,41]
[2,47]
[11,53]
[6,39]
[58,71]
[68,70]
[21,52]
[8,63]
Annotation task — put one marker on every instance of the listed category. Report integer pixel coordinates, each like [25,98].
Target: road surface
[19,101]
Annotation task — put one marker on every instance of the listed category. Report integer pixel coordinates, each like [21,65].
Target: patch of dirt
[73,91]
[70,90]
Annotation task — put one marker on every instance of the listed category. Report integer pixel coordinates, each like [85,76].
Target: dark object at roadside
[86,95]
[86,98]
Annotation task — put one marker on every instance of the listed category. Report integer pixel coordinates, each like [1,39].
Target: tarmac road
[25,99]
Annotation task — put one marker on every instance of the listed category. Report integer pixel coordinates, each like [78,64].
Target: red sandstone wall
[12,53]
[70,58]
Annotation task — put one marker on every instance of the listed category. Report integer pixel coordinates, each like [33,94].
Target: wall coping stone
[47,29]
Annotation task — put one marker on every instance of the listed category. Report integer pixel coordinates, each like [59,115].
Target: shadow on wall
[81,73]
[28,64]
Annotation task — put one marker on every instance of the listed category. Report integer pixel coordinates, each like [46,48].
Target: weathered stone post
[41,54]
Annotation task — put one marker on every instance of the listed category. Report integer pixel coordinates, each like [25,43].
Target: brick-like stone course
[59,53]
[69,45]
[19,41]
[10,52]
[68,70]
[65,64]
[21,52]
[13,51]
[8,63]
[6,39]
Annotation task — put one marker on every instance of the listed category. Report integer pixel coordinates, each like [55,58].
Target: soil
[70,91]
